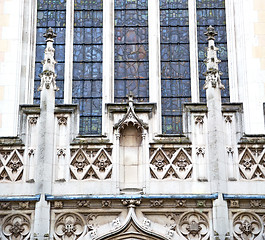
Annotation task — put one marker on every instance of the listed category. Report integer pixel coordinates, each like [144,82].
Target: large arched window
[178,59]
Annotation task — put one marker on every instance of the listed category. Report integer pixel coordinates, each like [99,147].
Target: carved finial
[48,75]
[211,33]
[212,74]
[49,35]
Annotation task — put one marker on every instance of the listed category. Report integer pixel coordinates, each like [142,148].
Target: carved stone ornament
[176,165]
[33,120]
[16,227]
[228,118]
[62,120]
[91,165]
[251,164]
[131,202]
[200,151]
[69,226]
[199,119]
[12,168]
[234,204]
[61,152]
[83,204]
[156,203]
[181,203]
[23,205]
[247,226]
[194,225]
[130,118]
[106,204]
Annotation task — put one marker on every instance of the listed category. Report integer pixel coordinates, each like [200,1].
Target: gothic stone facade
[132,183]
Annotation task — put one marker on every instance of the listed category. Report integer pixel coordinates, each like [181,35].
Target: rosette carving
[194,226]
[16,227]
[69,226]
[247,226]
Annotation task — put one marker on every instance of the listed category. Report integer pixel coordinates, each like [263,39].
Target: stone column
[216,148]
[45,148]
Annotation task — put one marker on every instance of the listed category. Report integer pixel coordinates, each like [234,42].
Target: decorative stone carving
[131,202]
[200,151]
[48,76]
[23,205]
[16,226]
[228,118]
[58,204]
[201,203]
[102,161]
[62,120]
[175,164]
[156,203]
[69,226]
[234,204]
[5,205]
[106,204]
[87,165]
[199,119]
[130,118]
[251,164]
[11,168]
[33,120]
[116,223]
[83,204]
[181,203]
[247,226]
[193,226]
[61,152]
[31,152]
[255,203]
[146,224]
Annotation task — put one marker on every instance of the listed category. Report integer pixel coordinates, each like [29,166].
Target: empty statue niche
[131,158]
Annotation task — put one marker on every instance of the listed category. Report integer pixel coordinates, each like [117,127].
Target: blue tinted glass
[51,13]
[131,50]
[212,12]
[87,66]
[175,63]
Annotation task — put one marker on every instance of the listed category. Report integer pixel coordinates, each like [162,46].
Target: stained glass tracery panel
[131,50]
[175,63]
[51,13]
[87,64]
[212,12]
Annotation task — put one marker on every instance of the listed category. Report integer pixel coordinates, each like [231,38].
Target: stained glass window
[87,64]
[131,50]
[51,13]
[212,12]
[175,63]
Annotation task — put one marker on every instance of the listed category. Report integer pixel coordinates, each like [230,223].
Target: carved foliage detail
[247,226]
[252,164]
[69,226]
[91,165]
[176,164]
[11,166]
[193,226]
[16,227]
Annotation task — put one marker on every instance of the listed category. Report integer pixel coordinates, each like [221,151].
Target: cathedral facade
[132,119]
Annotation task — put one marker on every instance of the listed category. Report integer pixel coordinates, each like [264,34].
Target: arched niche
[131,157]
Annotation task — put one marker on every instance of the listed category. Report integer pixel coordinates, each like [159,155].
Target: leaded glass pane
[131,50]
[212,12]
[87,65]
[50,13]
[175,63]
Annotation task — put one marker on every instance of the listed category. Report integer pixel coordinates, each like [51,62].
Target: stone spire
[212,74]
[48,76]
